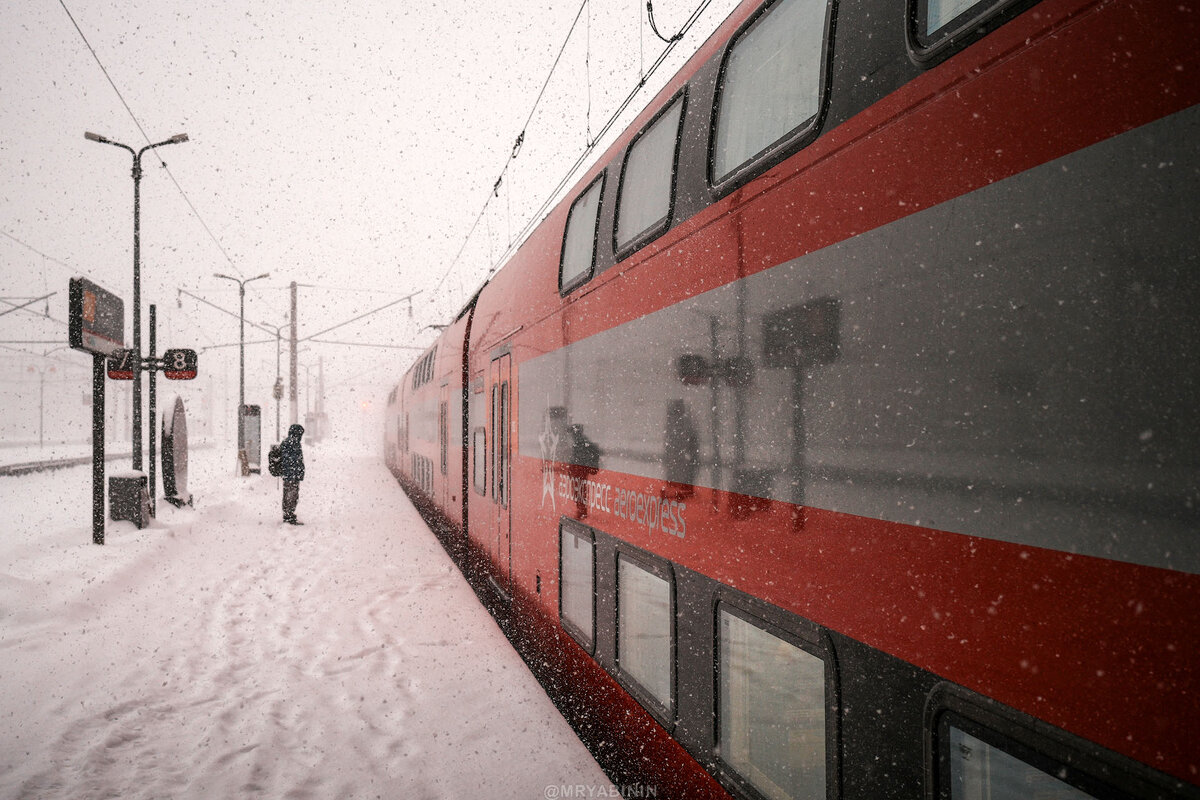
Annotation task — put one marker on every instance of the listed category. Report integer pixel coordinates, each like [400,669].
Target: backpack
[274,460]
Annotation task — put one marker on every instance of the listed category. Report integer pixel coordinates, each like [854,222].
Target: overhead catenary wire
[360,316]
[516,148]
[25,304]
[33,249]
[654,27]
[138,123]
[590,143]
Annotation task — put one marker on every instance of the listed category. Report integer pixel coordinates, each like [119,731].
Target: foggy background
[350,149]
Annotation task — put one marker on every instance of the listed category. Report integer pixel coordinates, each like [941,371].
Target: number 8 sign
[179,364]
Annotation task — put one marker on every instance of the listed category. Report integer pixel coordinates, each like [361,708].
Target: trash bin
[129,498]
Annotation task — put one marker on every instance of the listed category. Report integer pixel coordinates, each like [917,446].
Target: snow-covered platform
[221,653]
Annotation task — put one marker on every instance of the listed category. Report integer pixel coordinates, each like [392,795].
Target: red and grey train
[837,435]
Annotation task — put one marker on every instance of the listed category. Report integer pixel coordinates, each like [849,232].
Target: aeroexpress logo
[548,443]
[655,511]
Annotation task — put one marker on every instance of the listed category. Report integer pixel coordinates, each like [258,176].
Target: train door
[500,416]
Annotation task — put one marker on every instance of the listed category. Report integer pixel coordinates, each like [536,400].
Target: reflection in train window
[577,597]
[579,243]
[648,178]
[771,84]
[645,630]
[770,709]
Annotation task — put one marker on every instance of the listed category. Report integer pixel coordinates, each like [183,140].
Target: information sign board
[96,319]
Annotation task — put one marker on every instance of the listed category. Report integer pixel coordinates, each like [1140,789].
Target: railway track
[52,464]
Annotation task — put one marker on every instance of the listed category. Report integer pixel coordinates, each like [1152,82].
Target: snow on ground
[220,653]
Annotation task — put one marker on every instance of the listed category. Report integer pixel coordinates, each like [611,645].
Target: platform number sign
[121,364]
[179,364]
[96,321]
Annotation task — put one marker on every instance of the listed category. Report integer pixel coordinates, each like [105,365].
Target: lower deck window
[576,585]
[770,710]
[645,612]
[980,771]
[939,13]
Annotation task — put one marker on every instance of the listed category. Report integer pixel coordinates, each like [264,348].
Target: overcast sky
[346,146]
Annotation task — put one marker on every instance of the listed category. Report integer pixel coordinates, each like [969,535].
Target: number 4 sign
[179,364]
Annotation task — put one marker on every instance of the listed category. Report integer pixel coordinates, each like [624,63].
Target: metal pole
[292,389]
[242,377]
[137,310]
[153,405]
[278,345]
[97,448]
[307,393]
[42,410]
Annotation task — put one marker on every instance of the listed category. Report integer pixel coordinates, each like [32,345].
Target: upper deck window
[771,85]
[579,243]
[648,180]
[423,370]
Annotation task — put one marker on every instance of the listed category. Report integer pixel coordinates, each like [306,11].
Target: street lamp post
[241,363]
[42,402]
[277,392]
[137,279]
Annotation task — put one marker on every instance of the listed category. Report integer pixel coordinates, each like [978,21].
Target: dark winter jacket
[291,456]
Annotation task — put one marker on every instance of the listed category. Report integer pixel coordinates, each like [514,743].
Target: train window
[495,418]
[980,771]
[940,13]
[937,28]
[984,750]
[648,179]
[771,87]
[577,582]
[479,457]
[646,632]
[423,370]
[579,243]
[443,435]
[500,443]
[771,726]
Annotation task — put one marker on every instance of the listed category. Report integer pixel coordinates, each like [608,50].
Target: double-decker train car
[422,439]
[836,437]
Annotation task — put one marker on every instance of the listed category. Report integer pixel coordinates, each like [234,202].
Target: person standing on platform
[291,469]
